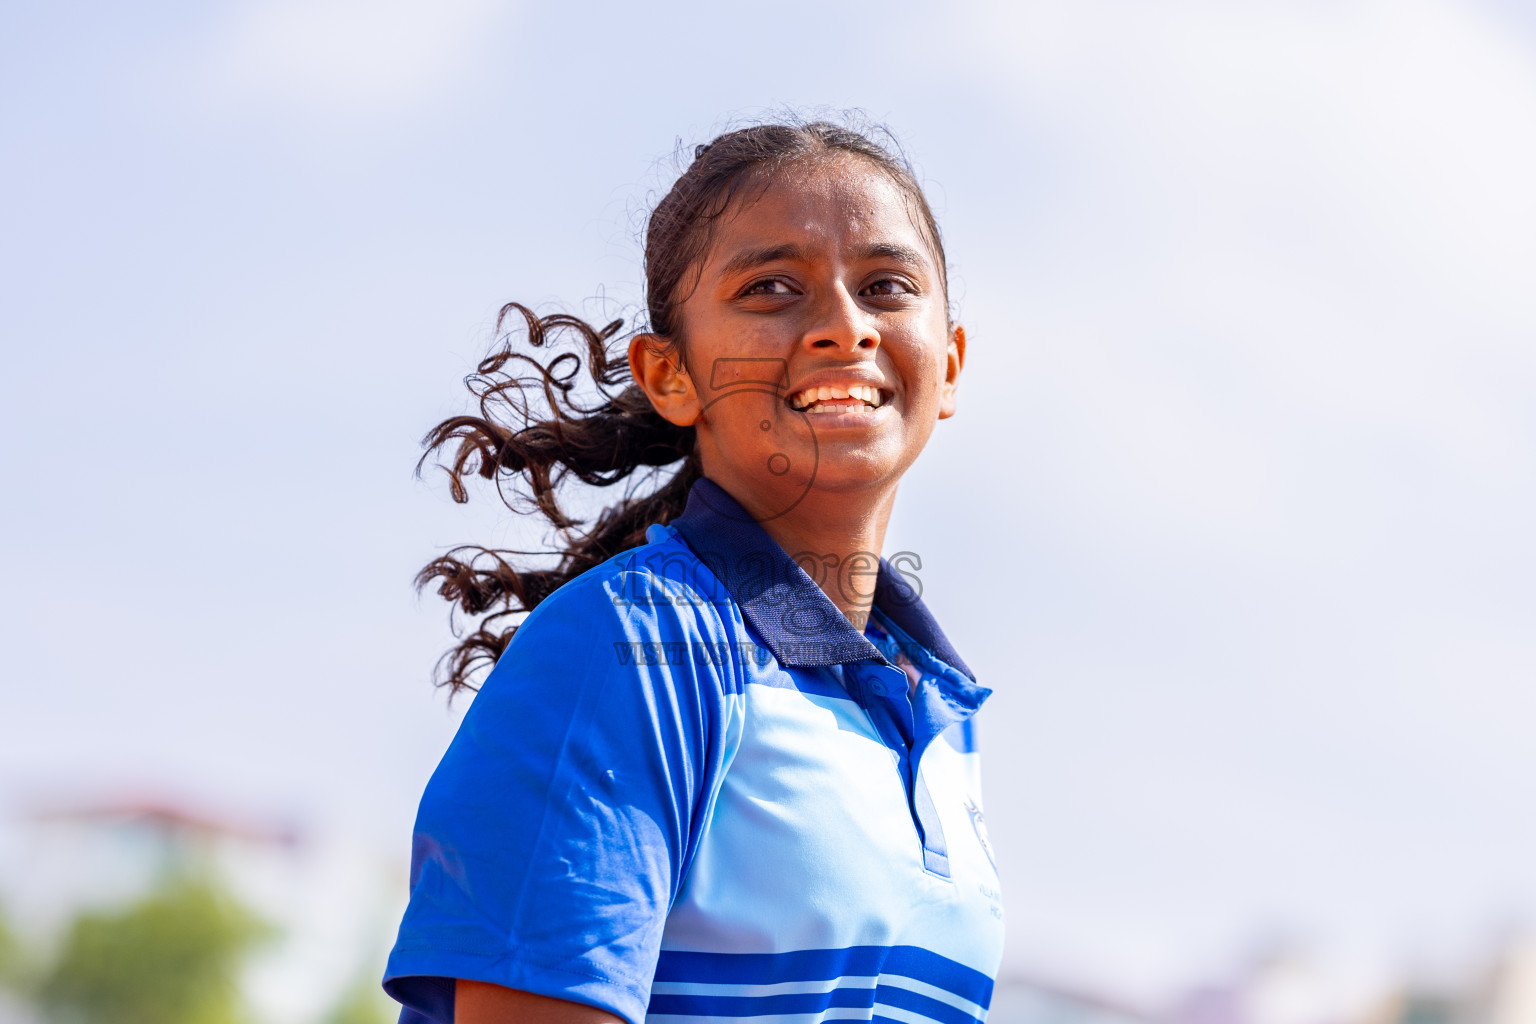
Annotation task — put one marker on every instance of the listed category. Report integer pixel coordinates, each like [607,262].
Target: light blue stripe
[889,996]
[825,965]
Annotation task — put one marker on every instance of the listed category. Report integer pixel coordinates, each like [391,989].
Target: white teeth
[811,396]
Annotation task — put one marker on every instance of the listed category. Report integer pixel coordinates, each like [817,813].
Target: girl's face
[818,345]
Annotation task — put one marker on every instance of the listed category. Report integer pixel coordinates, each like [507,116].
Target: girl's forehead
[842,177]
[827,201]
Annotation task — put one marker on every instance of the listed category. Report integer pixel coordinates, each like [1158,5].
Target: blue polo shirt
[690,790]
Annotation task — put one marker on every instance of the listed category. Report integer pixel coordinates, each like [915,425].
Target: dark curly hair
[539,422]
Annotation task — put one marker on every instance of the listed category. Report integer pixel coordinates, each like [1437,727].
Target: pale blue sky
[1234,517]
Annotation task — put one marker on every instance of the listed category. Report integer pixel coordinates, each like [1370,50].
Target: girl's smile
[855,397]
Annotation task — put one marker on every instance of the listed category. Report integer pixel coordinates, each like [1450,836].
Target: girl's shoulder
[658,592]
[662,571]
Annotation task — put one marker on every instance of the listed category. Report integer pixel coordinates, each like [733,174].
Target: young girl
[725,767]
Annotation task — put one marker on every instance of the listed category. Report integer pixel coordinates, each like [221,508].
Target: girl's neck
[835,536]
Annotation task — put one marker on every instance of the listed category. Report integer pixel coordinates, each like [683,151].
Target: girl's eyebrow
[750,259]
[898,253]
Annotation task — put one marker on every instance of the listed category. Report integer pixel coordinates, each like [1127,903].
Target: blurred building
[332,901]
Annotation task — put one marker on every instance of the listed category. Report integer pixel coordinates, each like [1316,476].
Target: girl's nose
[839,324]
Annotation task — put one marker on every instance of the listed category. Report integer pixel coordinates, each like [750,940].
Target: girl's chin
[842,468]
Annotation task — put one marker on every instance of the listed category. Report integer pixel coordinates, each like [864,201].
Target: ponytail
[531,432]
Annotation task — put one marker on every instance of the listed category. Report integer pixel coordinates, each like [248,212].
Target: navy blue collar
[792,614]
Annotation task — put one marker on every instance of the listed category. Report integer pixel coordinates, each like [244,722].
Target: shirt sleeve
[554,834]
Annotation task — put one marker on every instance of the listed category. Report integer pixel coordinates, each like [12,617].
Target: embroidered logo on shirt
[979,823]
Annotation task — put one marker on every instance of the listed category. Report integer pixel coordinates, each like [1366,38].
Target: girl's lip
[854,416]
[827,404]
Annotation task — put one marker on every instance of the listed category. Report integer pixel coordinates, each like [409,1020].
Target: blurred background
[1235,517]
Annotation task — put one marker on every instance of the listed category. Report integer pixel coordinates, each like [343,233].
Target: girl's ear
[654,364]
[954,363]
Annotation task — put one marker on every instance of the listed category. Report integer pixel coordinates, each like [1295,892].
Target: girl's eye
[888,286]
[770,286]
